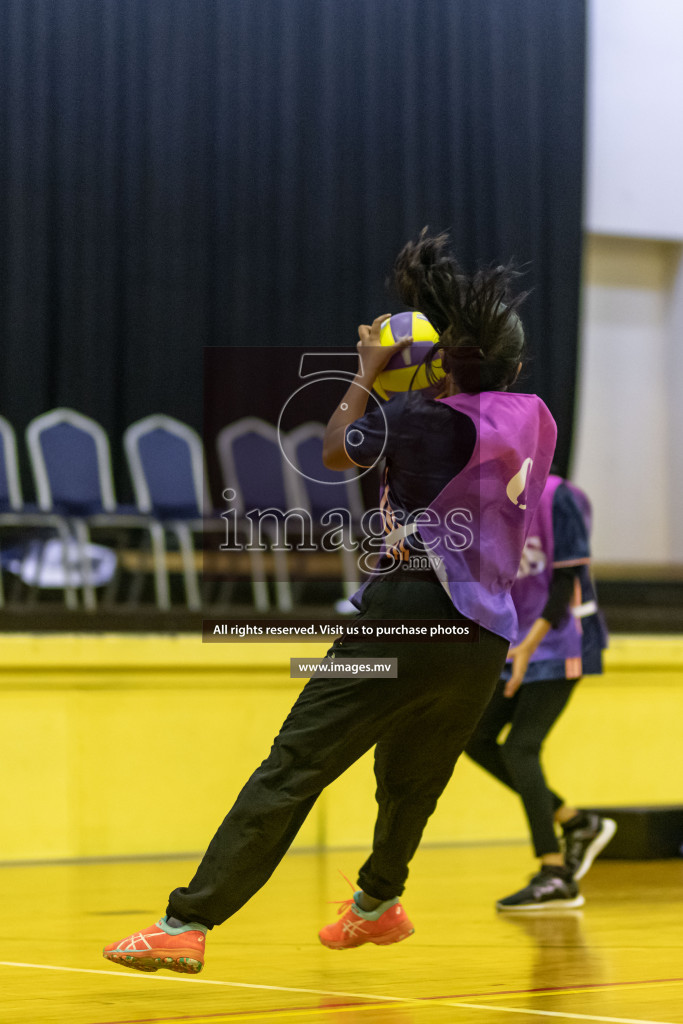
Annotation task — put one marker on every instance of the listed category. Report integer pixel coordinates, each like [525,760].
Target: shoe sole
[387,939]
[578,901]
[149,964]
[603,837]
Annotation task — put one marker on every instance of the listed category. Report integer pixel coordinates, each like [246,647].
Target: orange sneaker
[176,949]
[389,923]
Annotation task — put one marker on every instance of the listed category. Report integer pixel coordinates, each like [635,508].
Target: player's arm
[571,552]
[521,655]
[373,357]
[559,598]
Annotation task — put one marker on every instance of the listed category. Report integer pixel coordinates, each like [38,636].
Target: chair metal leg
[82,535]
[192,595]
[161,587]
[283,590]
[70,593]
[349,566]
[259,586]
[34,588]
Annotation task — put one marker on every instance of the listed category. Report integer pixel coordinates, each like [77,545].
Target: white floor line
[128,973]
[326,992]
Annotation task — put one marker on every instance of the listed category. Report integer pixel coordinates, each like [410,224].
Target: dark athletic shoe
[546,891]
[584,838]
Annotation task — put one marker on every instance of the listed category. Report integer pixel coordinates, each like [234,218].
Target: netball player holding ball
[470,454]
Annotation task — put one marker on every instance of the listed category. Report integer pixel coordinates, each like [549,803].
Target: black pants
[419,724]
[532,712]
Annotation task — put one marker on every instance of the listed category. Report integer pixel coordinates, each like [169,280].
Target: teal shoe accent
[191,926]
[372,915]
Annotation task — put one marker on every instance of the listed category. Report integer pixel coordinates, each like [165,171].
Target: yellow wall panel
[128,745]
[35,804]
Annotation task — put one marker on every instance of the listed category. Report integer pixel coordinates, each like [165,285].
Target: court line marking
[142,975]
[353,995]
[534,993]
[407,1004]
[277,1012]
[231,1016]
[563,1015]
[238,1015]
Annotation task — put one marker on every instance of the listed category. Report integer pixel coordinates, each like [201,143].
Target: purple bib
[476,527]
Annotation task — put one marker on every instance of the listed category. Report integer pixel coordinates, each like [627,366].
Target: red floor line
[554,988]
[241,1013]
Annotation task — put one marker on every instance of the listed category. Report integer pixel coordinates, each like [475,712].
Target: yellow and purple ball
[399,372]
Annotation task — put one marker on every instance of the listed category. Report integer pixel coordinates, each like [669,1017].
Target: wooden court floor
[619,959]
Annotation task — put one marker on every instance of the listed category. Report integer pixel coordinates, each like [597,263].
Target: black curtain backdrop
[187,173]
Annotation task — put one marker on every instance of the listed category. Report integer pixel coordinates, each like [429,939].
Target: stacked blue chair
[71,462]
[167,469]
[264,484]
[15,515]
[325,490]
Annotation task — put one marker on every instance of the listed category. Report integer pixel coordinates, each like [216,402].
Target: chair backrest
[10,488]
[252,464]
[167,467]
[71,463]
[325,489]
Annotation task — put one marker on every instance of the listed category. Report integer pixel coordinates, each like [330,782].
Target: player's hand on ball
[369,333]
[373,355]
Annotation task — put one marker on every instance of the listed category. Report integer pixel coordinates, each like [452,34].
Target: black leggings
[419,724]
[532,712]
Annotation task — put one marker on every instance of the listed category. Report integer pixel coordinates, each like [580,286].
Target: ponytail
[481,339]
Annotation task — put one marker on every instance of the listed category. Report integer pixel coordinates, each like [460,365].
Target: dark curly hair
[481,339]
